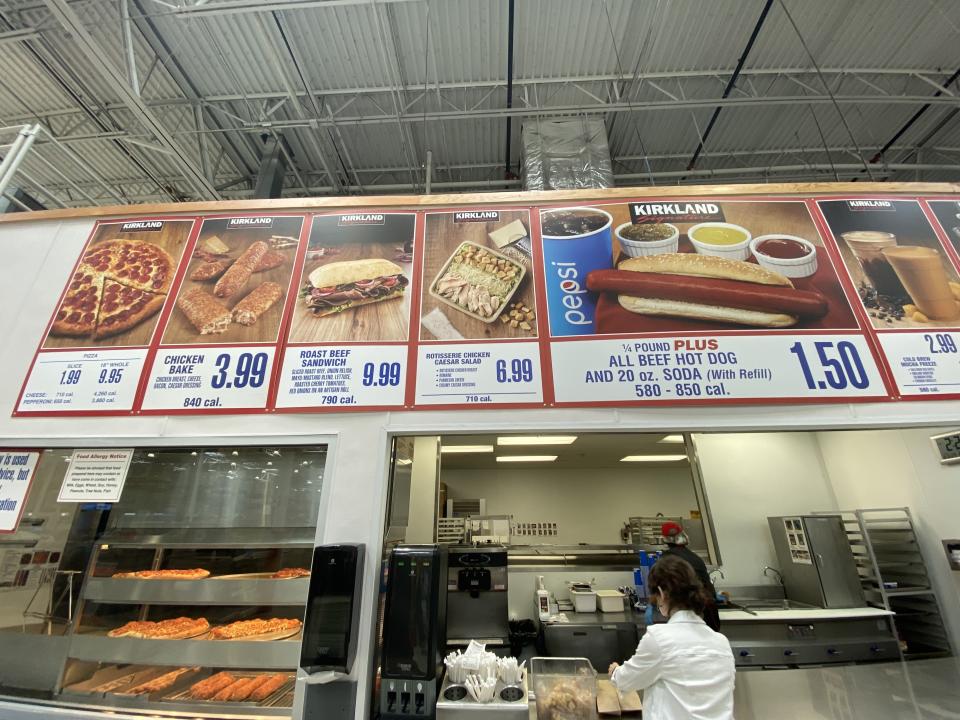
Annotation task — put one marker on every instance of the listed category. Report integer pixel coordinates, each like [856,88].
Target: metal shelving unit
[894,576]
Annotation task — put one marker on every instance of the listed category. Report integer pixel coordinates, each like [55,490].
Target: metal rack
[894,576]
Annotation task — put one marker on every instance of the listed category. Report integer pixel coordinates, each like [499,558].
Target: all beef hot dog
[704,287]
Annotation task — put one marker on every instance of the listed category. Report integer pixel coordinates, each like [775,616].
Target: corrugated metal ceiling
[388,81]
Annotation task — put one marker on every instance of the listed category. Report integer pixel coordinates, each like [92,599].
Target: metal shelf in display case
[262,655]
[209,591]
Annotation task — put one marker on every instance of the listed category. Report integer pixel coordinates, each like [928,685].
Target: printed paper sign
[203,378]
[714,368]
[924,364]
[16,474]
[479,374]
[83,380]
[96,476]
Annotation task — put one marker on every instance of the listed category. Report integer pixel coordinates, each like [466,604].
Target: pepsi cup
[576,241]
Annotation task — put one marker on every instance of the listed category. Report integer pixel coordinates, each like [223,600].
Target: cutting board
[610,702]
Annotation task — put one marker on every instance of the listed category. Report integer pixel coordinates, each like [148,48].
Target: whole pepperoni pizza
[117,285]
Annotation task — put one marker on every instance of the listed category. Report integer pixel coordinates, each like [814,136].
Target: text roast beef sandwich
[707,288]
[337,286]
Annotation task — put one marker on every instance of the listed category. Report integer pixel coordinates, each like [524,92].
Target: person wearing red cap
[677,541]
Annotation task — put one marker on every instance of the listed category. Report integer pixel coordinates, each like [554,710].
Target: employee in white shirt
[685,668]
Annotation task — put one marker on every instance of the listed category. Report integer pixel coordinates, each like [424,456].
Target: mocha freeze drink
[921,272]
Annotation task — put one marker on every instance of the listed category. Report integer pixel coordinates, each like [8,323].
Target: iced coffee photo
[894,258]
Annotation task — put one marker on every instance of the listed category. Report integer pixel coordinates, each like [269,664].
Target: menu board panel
[479,320]
[908,287]
[708,299]
[93,353]
[347,344]
[219,338]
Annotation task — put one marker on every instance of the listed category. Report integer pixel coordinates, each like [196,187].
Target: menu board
[347,343]
[699,300]
[96,344]
[479,330]
[220,337]
[908,286]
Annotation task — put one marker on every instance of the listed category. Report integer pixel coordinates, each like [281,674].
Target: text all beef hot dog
[710,291]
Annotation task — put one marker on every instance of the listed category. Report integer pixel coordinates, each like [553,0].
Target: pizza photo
[119,285]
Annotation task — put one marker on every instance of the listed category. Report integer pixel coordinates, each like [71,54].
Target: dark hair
[675,577]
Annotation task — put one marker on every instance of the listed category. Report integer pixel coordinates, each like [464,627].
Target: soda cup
[576,241]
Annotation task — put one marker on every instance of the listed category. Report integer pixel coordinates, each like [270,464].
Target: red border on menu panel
[409,373]
[417,342]
[178,270]
[877,335]
[221,347]
[831,254]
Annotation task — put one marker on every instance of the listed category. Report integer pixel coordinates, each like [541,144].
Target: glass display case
[193,596]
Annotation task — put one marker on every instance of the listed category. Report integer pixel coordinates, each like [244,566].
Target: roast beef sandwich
[708,288]
[338,286]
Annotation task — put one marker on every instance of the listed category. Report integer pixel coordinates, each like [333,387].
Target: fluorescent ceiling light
[401,461]
[536,440]
[652,458]
[466,448]
[526,458]
[671,439]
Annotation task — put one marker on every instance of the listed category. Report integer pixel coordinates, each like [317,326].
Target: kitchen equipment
[509,703]
[564,688]
[584,598]
[414,631]
[646,531]
[333,609]
[477,596]
[600,642]
[610,601]
[816,561]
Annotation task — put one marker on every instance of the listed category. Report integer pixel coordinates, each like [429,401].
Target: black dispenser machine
[414,632]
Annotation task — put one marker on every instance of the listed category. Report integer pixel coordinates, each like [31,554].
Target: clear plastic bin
[565,688]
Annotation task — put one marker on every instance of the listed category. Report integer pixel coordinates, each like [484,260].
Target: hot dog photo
[676,266]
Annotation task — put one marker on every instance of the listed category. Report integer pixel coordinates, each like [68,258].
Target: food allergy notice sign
[96,476]
[16,473]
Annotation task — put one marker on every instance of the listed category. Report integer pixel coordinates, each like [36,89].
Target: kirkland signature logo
[871,205]
[142,226]
[477,216]
[361,219]
[247,222]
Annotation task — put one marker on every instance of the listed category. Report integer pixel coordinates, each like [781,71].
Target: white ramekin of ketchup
[788,255]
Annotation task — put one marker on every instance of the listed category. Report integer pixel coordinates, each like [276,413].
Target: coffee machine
[477,596]
[414,632]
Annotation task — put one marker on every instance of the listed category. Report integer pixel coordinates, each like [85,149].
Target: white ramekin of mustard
[720,239]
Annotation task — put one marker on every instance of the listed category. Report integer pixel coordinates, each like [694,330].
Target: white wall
[750,476]
[589,506]
[898,468]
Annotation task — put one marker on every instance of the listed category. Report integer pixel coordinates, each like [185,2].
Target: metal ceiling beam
[96,56]
[232,7]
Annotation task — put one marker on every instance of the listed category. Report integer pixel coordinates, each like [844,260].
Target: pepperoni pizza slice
[124,307]
[117,285]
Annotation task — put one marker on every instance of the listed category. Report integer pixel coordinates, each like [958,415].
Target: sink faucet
[719,572]
[773,570]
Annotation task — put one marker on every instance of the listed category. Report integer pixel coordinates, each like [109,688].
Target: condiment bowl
[640,248]
[790,267]
[737,251]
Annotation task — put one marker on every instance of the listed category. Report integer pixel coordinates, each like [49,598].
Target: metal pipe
[510,19]
[126,25]
[428,180]
[13,159]
[731,83]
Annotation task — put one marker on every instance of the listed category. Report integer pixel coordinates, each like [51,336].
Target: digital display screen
[948,446]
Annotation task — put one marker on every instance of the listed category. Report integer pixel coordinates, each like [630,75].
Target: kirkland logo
[362,219]
[871,205]
[676,212]
[245,222]
[477,216]
[142,226]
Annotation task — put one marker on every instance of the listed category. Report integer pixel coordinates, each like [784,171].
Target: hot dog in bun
[708,288]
